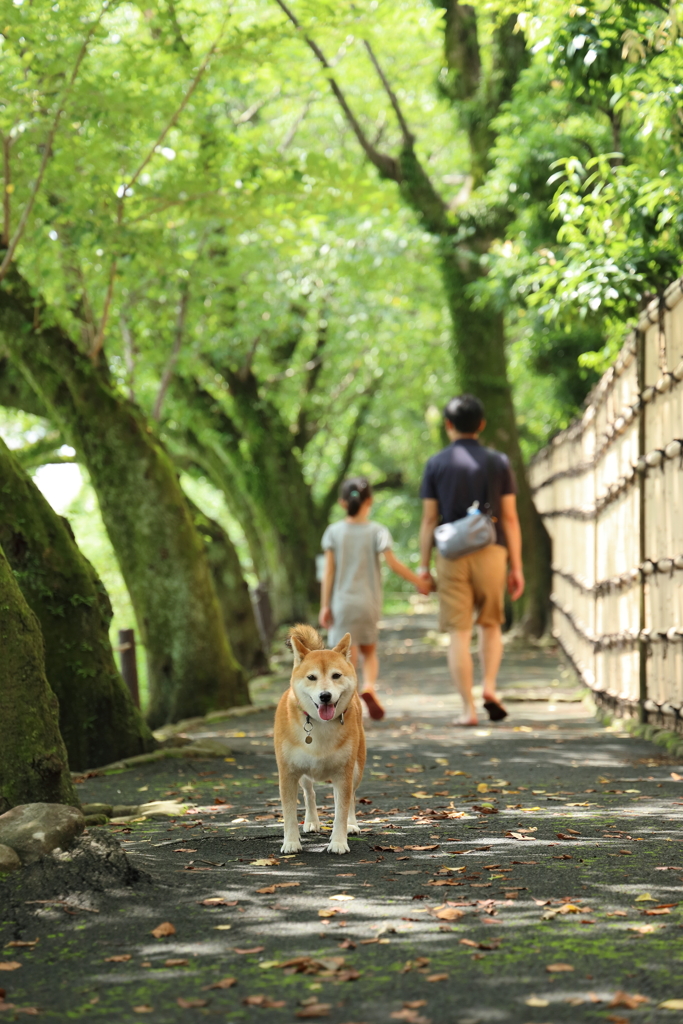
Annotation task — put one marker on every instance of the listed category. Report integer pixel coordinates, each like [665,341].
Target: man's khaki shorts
[472,584]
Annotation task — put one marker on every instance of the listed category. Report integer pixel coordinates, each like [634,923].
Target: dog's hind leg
[289,786]
[311,819]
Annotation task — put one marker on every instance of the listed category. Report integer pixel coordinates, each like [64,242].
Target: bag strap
[491,483]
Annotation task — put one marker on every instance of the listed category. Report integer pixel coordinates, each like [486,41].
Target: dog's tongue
[326,712]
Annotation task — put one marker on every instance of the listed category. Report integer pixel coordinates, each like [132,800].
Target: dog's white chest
[314,759]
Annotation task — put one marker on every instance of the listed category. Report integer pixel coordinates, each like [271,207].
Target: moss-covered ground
[573,857]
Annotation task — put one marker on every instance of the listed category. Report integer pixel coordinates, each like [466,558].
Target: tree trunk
[191,668]
[233,594]
[33,761]
[481,367]
[97,718]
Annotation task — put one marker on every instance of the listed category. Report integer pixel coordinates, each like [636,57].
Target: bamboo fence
[610,490]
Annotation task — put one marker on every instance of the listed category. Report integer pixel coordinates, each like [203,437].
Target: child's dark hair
[465,412]
[354,492]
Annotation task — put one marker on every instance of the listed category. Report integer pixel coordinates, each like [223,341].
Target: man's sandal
[374,707]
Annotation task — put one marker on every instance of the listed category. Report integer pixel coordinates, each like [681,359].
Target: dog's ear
[344,646]
[299,650]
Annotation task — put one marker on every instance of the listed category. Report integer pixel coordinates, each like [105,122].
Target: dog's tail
[307,636]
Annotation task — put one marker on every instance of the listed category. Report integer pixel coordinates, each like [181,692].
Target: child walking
[351,592]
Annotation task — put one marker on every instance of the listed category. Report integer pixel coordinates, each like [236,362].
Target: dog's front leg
[343,794]
[311,819]
[289,786]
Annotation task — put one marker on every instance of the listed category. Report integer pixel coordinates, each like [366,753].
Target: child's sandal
[374,707]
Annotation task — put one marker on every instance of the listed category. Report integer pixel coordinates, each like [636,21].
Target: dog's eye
[312,677]
[336,675]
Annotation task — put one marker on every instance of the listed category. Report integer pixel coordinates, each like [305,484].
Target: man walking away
[472,584]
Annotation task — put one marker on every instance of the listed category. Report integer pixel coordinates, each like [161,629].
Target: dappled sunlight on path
[527,871]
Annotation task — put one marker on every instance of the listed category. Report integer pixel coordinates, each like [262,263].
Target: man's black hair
[465,412]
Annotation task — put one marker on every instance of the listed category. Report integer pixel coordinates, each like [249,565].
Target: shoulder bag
[475,530]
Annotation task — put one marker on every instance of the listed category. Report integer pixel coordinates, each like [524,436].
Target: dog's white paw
[353,830]
[311,826]
[338,848]
[291,847]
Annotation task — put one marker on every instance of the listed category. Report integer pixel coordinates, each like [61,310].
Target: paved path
[527,872]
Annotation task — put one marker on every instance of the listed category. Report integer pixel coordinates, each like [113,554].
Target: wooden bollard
[129,666]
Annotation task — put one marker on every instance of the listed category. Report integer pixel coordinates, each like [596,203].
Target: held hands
[325,618]
[515,584]
[425,583]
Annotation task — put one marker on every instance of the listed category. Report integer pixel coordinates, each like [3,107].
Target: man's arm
[509,520]
[430,520]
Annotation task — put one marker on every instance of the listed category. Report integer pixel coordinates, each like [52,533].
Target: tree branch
[408,137]
[47,152]
[385,164]
[125,188]
[175,352]
[7,189]
[352,440]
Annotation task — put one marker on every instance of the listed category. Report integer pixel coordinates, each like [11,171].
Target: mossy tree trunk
[33,760]
[97,718]
[254,458]
[191,668]
[233,594]
[481,365]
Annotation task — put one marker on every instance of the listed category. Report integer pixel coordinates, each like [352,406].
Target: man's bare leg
[491,654]
[460,665]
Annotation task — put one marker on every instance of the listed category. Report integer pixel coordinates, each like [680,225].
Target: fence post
[129,667]
[642,643]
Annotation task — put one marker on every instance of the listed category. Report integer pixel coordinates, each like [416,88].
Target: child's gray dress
[357,590]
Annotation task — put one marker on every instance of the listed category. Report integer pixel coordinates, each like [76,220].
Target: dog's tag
[309,739]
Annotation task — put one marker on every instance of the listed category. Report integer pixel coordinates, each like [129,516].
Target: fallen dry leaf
[671,1004]
[9,965]
[121,958]
[143,1009]
[21,944]
[340,896]
[255,949]
[223,983]
[267,889]
[414,1004]
[410,1016]
[314,1010]
[437,977]
[657,911]
[434,847]
[676,777]
[265,1001]
[191,1004]
[556,968]
[265,862]
[328,913]
[535,1001]
[176,963]
[449,914]
[163,929]
[217,901]
[493,944]
[411,965]
[628,1002]
[645,898]
[643,929]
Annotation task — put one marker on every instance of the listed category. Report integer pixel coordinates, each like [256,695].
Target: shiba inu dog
[319,736]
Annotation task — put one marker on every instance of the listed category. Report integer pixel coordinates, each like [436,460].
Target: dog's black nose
[325,697]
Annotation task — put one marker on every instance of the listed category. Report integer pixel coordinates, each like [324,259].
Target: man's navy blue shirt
[458,475]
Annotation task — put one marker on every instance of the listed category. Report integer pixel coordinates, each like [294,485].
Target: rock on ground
[33,830]
[9,860]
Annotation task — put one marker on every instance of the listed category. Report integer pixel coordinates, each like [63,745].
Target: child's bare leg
[370,667]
